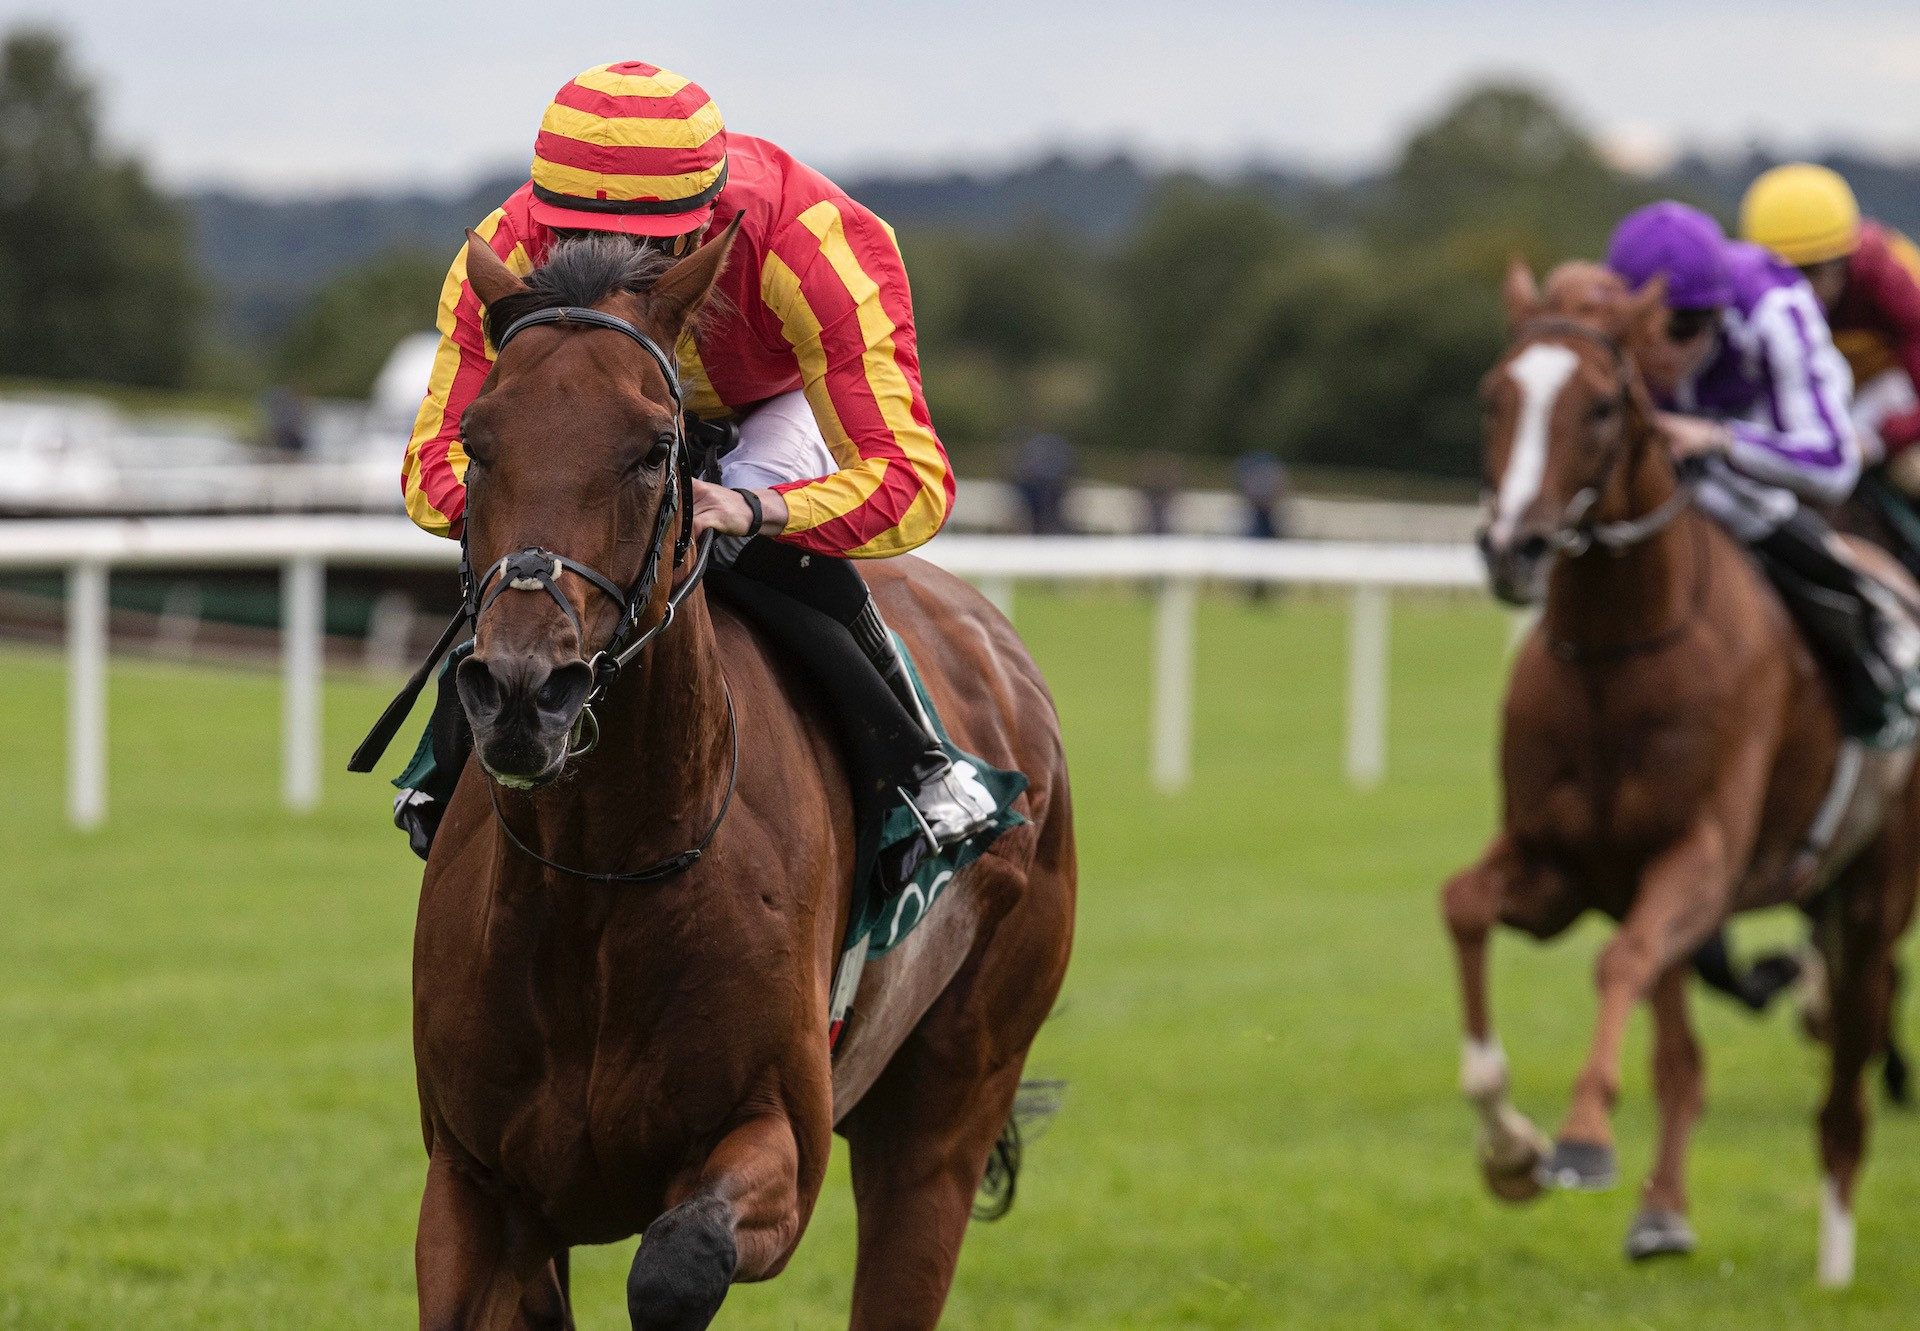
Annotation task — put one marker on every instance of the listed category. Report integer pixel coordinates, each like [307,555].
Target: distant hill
[266,256]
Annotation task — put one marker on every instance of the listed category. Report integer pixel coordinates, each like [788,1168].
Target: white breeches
[1748,508]
[779,441]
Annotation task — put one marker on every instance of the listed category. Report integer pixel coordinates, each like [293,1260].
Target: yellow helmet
[1804,213]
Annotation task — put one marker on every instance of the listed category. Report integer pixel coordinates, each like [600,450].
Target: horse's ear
[676,295]
[486,274]
[1519,293]
[1647,313]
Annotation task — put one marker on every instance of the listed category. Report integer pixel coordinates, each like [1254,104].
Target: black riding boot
[418,809]
[1854,625]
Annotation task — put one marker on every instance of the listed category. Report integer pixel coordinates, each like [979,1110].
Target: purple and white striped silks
[1779,383]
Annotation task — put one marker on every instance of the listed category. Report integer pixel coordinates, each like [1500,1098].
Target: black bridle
[539,569]
[1575,536]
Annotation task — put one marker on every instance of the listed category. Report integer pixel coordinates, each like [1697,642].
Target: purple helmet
[1682,242]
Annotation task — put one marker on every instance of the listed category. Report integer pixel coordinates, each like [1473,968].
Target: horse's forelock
[584,270]
[580,271]
[1585,291]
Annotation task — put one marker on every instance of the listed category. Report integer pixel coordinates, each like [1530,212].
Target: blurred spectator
[286,413]
[1159,486]
[1265,487]
[1043,476]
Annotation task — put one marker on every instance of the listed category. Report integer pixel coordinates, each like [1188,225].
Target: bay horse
[621,976]
[1671,755]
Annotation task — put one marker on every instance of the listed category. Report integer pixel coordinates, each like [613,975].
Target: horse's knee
[1627,960]
[1469,903]
[685,1264]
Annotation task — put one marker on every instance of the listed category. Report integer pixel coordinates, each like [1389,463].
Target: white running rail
[303,547]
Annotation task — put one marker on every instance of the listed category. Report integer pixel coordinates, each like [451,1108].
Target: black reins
[538,569]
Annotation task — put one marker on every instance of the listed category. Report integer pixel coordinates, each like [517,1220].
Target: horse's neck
[651,787]
[1607,598]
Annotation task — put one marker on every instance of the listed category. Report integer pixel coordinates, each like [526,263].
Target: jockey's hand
[1692,436]
[720,510]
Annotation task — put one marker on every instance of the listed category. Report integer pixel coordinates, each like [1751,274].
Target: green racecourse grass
[207,1115]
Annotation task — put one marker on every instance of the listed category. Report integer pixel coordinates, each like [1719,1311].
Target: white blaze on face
[1542,370]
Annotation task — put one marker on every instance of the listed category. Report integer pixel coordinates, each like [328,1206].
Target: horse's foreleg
[479,1268]
[1681,900]
[739,1220]
[1661,1226]
[1509,1146]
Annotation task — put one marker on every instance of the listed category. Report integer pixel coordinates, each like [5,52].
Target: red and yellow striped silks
[814,297]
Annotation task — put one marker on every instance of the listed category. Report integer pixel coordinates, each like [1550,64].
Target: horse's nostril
[1531,547]
[479,690]
[564,691]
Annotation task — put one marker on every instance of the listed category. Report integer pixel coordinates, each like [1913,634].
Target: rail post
[1172,766]
[1367,686]
[87,694]
[302,613]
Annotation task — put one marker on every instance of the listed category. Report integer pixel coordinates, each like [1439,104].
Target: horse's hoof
[1510,1164]
[1579,1167]
[1660,1234]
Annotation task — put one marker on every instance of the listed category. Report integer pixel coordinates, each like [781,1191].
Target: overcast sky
[372,93]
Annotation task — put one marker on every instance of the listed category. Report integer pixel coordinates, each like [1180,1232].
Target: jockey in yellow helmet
[1868,278]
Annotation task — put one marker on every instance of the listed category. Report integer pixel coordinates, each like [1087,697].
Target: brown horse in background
[597,1059]
[1668,745]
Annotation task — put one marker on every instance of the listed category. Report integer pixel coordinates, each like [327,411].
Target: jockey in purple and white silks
[1756,390]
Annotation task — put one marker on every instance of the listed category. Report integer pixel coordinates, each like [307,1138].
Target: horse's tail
[1034,1105]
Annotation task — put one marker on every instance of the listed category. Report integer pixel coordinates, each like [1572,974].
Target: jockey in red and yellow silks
[808,343]
[814,298]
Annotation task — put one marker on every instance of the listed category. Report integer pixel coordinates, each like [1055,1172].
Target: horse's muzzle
[522,710]
[1517,569]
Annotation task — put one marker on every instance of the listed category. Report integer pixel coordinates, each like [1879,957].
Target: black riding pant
[1823,594]
[819,614]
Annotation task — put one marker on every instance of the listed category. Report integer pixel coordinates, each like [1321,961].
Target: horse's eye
[1603,410]
[657,452]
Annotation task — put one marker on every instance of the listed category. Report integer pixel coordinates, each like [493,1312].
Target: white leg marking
[1542,370]
[1836,1238]
[1483,1068]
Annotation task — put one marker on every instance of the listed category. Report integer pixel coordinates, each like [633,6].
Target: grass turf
[207,1117]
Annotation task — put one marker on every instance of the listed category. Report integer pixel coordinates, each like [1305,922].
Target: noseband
[1575,535]
[537,569]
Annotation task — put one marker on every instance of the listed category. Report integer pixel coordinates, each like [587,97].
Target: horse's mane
[580,271]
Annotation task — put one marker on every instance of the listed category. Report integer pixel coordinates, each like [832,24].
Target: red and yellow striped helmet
[630,148]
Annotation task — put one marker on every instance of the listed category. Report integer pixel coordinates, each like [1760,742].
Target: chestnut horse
[598,1059]
[1669,751]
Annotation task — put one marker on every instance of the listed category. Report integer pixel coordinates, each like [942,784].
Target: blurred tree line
[95,276]
[1346,331]
[1339,326]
